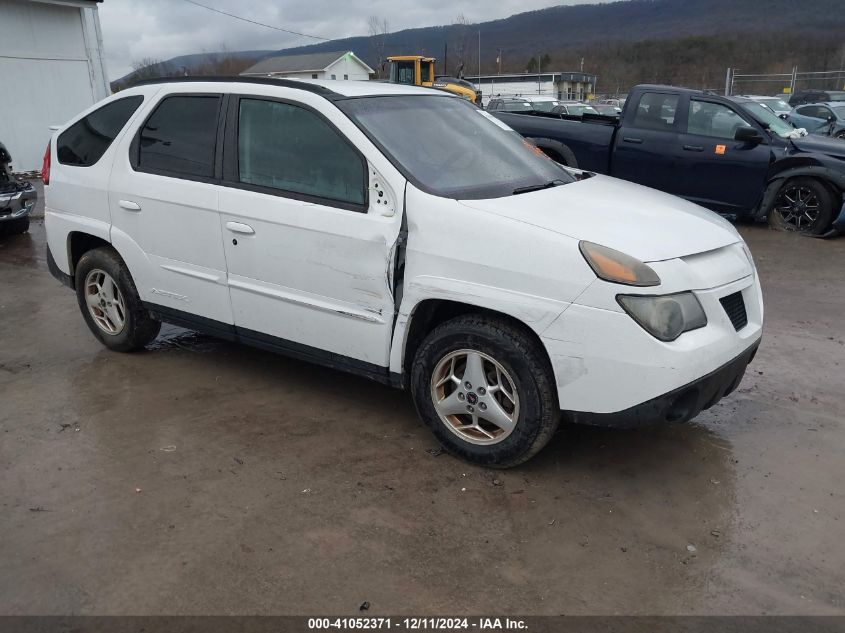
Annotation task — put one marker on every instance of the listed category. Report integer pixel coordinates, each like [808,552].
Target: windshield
[839,111]
[517,106]
[544,106]
[603,108]
[778,105]
[581,109]
[769,119]
[451,148]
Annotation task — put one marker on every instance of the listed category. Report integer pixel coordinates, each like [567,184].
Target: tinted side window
[713,119]
[656,111]
[180,137]
[85,142]
[285,147]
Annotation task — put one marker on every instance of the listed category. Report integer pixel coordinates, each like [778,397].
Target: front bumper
[19,203]
[678,405]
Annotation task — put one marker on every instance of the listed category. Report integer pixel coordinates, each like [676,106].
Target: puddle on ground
[173,337]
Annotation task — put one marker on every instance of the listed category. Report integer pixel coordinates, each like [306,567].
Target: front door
[310,229]
[715,170]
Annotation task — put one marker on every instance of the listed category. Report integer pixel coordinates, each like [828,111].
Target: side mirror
[783,116]
[831,119]
[748,134]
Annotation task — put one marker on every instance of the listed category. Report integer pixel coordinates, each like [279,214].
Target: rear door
[163,200]
[713,169]
[643,149]
[809,117]
[310,228]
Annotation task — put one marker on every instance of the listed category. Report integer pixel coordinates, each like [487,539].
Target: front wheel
[802,204]
[485,389]
[110,303]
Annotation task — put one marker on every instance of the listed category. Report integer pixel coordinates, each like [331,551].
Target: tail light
[45,166]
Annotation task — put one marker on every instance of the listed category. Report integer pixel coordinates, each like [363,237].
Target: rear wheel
[802,204]
[110,303]
[15,227]
[485,389]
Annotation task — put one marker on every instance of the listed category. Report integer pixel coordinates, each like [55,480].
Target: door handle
[629,139]
[238,227]
[694,148]
[129,205]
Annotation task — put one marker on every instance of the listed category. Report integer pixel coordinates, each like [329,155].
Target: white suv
[402,234]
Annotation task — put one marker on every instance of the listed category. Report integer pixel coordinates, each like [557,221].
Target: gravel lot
[203,477]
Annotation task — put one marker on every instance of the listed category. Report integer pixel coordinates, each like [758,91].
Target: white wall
[560,89]
[512,88]
[51,67]
[351,69]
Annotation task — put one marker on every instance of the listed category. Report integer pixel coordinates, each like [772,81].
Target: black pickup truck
[729,154]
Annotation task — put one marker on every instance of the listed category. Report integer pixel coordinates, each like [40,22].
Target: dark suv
[815,96]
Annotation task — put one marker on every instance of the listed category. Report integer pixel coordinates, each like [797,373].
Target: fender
[61,226]
[791,168]
[536,313]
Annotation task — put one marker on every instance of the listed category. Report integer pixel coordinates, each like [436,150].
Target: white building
[575,86]
[51,67]
[335,65]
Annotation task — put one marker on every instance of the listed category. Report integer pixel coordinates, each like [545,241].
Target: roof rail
[266,81]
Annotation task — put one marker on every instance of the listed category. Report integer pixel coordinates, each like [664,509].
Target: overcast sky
[161,29]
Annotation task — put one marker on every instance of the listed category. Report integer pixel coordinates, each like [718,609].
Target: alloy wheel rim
[798,207]
[475,397]
[105,302]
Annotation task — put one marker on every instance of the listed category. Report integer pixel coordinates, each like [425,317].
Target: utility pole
[539,71]
[479,54]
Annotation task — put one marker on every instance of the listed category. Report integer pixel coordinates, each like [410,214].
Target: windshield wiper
[545,185]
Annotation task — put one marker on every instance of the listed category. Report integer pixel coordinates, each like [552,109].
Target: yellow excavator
[417,70]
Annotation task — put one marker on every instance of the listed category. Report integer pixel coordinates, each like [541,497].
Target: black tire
[555,150]
[139,327]
[15,227]
[840,135]
[785,215]
[531,374]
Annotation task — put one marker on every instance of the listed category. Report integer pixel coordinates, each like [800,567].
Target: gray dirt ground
[204,477]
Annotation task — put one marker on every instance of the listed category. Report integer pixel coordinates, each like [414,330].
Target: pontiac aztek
[405,235]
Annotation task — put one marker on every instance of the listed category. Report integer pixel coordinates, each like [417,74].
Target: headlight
[665,317]
[611,265]
[748,255]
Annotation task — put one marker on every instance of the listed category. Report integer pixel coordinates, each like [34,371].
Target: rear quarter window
[85,142]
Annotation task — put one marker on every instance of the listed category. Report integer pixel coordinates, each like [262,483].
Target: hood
[642,222]
[823,144]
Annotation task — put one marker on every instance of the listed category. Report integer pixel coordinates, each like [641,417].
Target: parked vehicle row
[530,104]
[800,97]
[332,222]
[730,154]
[775,104]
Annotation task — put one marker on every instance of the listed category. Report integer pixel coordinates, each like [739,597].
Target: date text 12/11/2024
[416,624]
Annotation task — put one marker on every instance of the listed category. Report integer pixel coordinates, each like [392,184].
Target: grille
[735,307]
